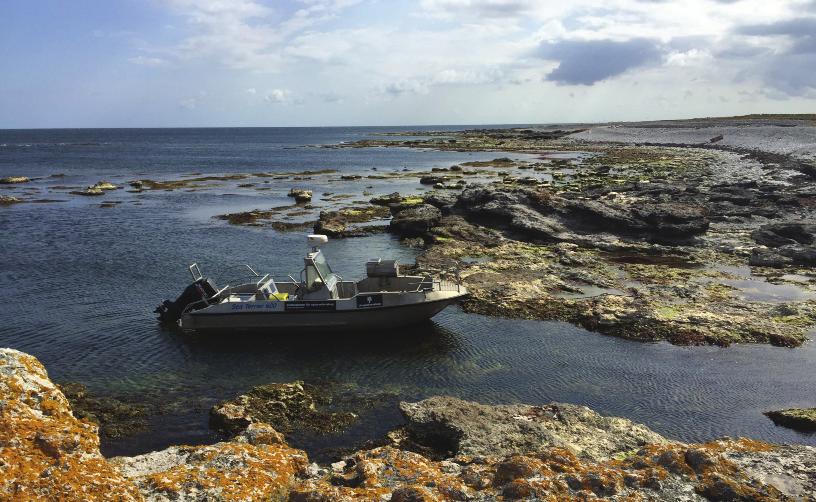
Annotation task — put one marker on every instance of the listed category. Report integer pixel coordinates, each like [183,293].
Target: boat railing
[228,289]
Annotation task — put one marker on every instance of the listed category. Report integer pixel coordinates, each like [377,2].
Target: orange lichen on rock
[257,465]
[46,453]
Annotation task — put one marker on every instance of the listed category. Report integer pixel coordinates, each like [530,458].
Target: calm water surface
[78,283]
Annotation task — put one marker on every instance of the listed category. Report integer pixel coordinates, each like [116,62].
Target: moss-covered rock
[800,419]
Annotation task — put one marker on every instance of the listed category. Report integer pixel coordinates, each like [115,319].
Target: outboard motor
[170,312]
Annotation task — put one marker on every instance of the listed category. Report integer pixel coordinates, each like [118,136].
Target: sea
[81,276]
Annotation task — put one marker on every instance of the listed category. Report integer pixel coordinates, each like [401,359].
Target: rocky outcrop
[98,188]
[46,453]
[468,428]
[349,222]
[300,195]
[415,221]
[572,453]
[655,472]
[13,180]
[785,244]
[539,214]
[795,418]
[256,465]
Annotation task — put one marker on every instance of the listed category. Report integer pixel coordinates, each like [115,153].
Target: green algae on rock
[14,180]
[287,406]
[114,417]
[348,222]
[800,419]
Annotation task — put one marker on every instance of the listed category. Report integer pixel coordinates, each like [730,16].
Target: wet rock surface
[690,243]
[114,417]
[291,408]
[351,221]
[415,221]
[7,200]
[300,195]
[47,453]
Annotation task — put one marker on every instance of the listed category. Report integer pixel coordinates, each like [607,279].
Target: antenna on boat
[315,240]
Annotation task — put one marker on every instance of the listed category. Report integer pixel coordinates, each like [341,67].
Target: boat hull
[368,318]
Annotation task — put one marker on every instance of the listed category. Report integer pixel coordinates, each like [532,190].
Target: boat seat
[267,290]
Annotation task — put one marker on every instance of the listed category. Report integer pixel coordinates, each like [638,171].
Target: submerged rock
[795,418]
[7,200]
[115,418]
[90,191]
[287,406]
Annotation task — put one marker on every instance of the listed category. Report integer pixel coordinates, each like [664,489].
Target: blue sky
[154,63]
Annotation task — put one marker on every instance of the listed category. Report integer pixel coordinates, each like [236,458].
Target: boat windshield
[317,273]
[322,267]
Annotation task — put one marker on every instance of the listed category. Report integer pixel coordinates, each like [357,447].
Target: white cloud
[148,61]
[277,96]
[428,54]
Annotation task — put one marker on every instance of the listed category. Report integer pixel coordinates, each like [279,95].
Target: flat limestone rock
[469,428]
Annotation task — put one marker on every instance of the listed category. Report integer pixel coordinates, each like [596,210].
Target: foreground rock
[467,428]
[257,465]
[795,418]
[48,454]
[45,452]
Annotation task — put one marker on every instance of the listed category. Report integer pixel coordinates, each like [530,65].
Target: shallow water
[78,284]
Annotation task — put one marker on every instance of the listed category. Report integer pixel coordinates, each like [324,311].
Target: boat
[320,299]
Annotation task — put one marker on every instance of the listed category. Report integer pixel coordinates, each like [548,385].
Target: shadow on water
[234,362]
[418,341]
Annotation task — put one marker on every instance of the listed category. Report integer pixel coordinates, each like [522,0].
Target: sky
[209,63]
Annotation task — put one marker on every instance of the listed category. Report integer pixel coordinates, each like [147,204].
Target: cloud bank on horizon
[387,62]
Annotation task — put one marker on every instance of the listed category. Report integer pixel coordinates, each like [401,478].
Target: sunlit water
[78,284]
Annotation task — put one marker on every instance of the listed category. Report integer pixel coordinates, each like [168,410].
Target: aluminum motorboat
[320,299]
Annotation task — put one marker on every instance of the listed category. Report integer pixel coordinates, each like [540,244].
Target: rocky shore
[693,243]
[469,452]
